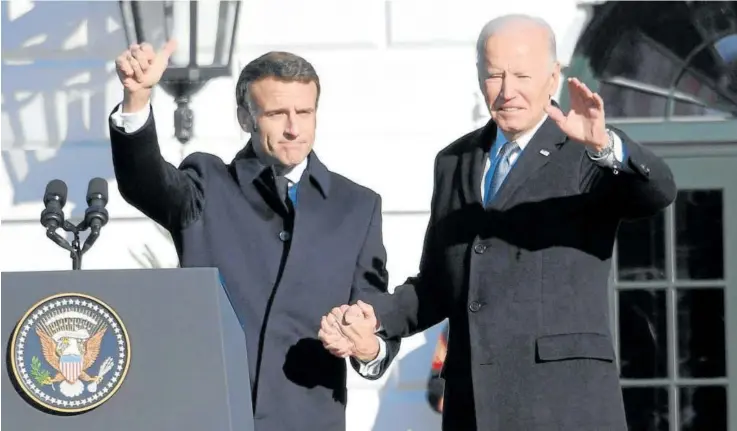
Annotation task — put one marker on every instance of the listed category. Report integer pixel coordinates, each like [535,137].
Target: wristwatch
[604,152]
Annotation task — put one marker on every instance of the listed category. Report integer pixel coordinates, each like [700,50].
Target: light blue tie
[496,175]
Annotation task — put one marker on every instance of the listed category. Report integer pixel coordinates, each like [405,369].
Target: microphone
[52,217]
[95,216]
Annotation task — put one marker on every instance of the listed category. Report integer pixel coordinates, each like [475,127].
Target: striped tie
[496,175]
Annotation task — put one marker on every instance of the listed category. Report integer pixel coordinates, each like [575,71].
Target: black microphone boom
[96,216]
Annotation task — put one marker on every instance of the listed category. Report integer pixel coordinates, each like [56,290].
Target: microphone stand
[75,252]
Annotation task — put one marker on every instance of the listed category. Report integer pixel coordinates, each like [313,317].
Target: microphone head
[97,189]
[56,190]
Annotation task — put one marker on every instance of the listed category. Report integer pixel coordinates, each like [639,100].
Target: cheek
[492,90]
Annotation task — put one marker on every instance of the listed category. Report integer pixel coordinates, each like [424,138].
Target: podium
[150,349]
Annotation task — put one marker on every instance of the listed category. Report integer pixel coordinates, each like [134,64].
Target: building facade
[399,84]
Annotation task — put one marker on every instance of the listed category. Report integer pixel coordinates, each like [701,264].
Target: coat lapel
[536,154]
[472,163]
[253,179]
[313,215]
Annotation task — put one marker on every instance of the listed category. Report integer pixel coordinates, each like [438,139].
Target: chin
[292,160]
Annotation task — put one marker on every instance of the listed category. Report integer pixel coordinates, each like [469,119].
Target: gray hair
[498,24]
[283,66]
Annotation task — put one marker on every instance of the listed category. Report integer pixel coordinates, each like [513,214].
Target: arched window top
[664,59]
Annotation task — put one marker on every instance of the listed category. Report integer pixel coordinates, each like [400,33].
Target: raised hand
[139,68]
[585,121]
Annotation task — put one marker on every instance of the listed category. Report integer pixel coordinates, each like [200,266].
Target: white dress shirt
[133,121]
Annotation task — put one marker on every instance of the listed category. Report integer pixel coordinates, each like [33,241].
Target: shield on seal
[71,367]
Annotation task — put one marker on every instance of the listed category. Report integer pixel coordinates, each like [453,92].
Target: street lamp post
[200,55]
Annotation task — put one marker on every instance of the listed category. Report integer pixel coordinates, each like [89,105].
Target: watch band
[604,152]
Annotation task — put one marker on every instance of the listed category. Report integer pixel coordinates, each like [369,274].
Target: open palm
[585,121]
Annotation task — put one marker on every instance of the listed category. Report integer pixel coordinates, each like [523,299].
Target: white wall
[398,85]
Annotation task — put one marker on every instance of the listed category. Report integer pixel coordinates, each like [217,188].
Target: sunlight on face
[285,119]
[518,78]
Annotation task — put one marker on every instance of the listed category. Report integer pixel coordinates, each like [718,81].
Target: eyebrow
[286,110]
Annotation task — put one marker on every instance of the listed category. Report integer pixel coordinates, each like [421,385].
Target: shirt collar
[294,174]
[522,141]
[248,168]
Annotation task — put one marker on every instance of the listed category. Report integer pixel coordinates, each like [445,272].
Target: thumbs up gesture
[139,68]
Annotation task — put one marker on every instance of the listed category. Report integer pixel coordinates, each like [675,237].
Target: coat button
[479,248]
[285,236]
[474,306]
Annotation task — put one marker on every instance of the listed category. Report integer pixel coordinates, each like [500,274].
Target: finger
[336,352]
[143,61]
[344,307]
[167,50]
[586,91]
[586,96]
[123,64]
[556,115]
[137,71]
[340,353]
[326,326]
[353,315]
[337,312]
[331,320]
[366,309]
[599,102]
[575,92]
[355,311]
[322,336]
[148,50]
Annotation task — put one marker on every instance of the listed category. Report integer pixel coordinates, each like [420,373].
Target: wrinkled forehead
[517,42]
[274,93]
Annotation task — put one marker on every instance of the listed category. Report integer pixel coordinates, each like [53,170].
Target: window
[664,59]
[670,285]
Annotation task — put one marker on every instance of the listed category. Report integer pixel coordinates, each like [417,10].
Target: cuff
[616,157]
[373,367]
[130,122]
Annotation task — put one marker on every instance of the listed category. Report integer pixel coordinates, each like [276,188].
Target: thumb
[167,50]
[368,310]
[555,114]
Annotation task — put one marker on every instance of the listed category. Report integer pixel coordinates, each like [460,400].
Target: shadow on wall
[405,408]
[56,63]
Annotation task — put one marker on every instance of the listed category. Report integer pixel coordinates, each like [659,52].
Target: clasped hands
[350,330]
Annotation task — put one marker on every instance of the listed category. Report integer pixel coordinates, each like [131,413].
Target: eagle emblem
[71,352]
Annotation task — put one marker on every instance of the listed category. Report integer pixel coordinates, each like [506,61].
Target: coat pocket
[579,345]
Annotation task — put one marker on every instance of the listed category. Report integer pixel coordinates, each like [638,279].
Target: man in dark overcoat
[291,238]
[523,220]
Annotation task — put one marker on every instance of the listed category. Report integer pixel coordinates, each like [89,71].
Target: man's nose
[507,91]
[292,126]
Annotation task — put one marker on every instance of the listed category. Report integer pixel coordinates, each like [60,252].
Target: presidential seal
[70,353]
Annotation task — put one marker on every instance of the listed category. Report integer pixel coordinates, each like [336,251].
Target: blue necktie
[292,194]
[499,170]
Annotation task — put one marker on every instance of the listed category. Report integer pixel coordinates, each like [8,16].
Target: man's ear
[246,121]
[555,78]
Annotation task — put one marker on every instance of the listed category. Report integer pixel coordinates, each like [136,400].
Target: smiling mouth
[509,109]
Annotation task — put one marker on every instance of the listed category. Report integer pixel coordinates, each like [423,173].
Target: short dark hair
[283,66]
